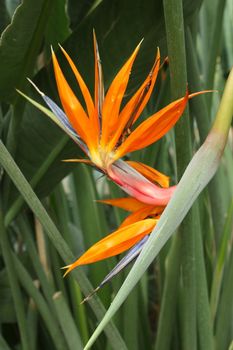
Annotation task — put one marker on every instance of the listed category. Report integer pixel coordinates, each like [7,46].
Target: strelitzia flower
[106,131]
[133,229]
[132,235]
[124,262]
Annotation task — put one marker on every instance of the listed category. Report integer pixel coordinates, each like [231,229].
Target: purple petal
[62,118]
[125,261]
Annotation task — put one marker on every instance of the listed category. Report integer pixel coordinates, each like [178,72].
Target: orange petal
[150,173]
[143,213]
[72,106]
[113,99]
[137,103]
[116,243]
[99,84]
[129,203]
[153,128]
[82,85]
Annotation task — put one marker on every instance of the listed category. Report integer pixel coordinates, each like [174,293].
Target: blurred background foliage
[38,308]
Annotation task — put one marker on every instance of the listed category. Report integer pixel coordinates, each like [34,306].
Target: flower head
[133,230]
[106,131]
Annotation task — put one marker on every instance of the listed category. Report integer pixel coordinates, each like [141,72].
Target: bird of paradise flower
[105,132]
[132,233]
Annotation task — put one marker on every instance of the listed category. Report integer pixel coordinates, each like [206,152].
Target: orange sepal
[129,203]
[113,99]
[137,103]
[145,89]
[82,85]
[154,127]
[99,85]
[143,213]
[72,106]
[116,243]
[150,173]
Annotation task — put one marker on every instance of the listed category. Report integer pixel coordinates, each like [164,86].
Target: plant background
[40,309]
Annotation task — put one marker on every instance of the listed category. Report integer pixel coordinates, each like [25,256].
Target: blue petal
[62,118]
[125,261]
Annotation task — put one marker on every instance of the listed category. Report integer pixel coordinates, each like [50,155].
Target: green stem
[224,315]
[55,236]
[204,322]
[169,297]
[173,12]
[81,312]
[224,114]
[220,263]
[15,289]
[215,43]
[131,320]
[197,105]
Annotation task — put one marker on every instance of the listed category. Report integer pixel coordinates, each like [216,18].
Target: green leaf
[222,260]
[20,44]
[11,6]
[57,29]
[4,18]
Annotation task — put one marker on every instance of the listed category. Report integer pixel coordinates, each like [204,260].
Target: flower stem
[224,115]
[173,11]
[169,299]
